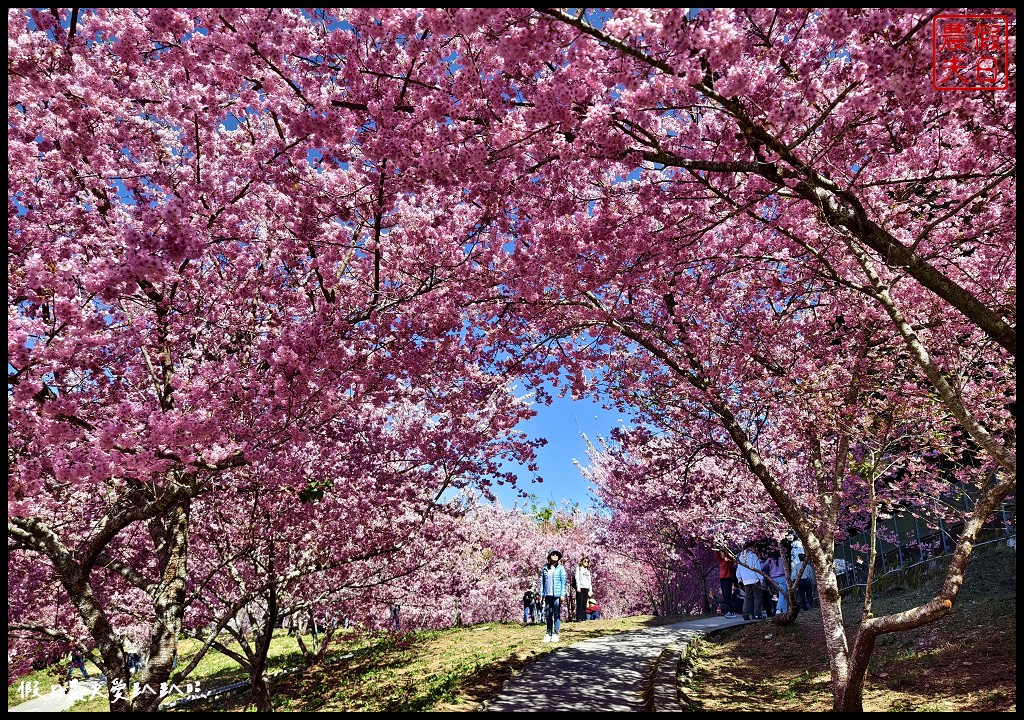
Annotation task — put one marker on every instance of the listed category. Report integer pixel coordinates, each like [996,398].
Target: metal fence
[916,545]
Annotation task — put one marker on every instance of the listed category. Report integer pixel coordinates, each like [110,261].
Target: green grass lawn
[216,668]
[449,669]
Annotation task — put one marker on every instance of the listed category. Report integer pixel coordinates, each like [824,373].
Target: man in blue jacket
[552,589]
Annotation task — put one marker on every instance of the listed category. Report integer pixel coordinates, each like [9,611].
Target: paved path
[604,674]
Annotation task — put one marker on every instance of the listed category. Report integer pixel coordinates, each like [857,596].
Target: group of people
[755,585]
[553,589]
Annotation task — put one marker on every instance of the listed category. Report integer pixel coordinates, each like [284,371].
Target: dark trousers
[581,603]
[552,613]
[805,593]
[530,611]
[726,595]
[766,598]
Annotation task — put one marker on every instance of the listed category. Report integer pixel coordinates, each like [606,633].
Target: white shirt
[746,573]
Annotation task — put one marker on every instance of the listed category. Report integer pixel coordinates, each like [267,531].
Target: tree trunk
[261,693]
[849,696]
[257,672]
[169,608]
[852,697]
[845,698]
[74,569]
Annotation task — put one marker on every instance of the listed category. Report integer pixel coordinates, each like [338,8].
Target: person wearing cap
[552,589]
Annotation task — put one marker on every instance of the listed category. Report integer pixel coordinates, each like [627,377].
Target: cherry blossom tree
[723,191]
[364,521]
[176,317]
[689,174]
[670,505]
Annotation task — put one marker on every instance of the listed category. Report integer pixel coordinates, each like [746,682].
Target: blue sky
[563,423]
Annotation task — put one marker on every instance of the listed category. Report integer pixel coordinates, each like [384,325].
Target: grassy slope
[966,662]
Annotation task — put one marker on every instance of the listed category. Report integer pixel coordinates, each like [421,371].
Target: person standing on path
[726,578]
[748,573]
[552,588]
[777,575]
[584,587]
[132,656]
[804,582]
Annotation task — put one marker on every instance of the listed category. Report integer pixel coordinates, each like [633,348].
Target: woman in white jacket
[748,574]
[583,588]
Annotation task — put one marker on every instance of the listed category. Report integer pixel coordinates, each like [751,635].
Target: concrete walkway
[632,671]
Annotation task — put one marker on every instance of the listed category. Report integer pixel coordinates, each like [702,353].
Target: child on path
[553,590]
[737,597]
